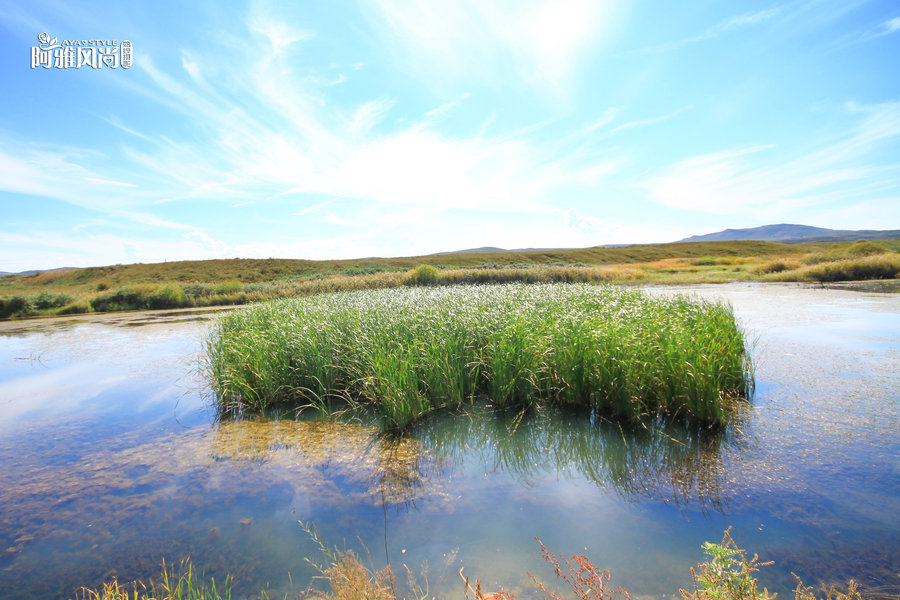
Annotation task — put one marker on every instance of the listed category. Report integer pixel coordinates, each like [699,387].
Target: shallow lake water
[113,460]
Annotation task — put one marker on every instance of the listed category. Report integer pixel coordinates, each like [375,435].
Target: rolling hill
[789,234]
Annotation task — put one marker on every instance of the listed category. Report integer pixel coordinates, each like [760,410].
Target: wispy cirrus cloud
[732,182]
[882,29]
[279,34]
[305,147]
[258,134]
[891,25]
[724,27]
[601,132]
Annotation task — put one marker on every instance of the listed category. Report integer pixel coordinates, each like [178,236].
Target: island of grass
[408,351]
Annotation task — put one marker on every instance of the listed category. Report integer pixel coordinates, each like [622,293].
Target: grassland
[243,281]
[410,350]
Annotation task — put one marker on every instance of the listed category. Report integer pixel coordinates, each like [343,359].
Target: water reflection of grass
[656,460]
[120,507]
[409,351]
[397,470]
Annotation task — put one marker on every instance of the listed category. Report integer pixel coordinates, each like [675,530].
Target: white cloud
[37,249]
[447,107]
[217,246]
[639,123]
[278,33]
[732,183]
[725,26]
[316,206]
[543,40]
[367,116]
[607,117]
[308,147]
[277,136]
[102,181]
[590,230]
[151,220]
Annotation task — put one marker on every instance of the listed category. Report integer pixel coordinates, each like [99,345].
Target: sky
[342,129]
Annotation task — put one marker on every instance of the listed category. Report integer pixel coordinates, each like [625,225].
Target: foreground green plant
[177,584]
[408,351]
[728,575]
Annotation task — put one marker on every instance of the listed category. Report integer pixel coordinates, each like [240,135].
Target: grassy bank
[410,350]
[228,282]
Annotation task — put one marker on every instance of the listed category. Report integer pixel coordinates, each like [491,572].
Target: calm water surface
[112,460]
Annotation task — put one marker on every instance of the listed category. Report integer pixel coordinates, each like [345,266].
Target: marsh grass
[874,266]
[408,351]
[777,266]
[182,583]
[856,250]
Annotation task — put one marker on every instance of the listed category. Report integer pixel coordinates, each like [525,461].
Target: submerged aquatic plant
[410,350]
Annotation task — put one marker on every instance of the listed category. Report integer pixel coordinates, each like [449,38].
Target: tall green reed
[409,351]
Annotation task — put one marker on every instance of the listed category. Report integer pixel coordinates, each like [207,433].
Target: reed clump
[410,350]
[873,266]
[777,266]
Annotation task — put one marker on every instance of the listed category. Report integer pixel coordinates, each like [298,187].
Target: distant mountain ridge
[489,249]
[789,233]
[33,271]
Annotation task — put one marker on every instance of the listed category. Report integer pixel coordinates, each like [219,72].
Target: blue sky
[389,127]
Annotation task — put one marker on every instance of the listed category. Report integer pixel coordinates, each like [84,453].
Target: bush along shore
[410,350]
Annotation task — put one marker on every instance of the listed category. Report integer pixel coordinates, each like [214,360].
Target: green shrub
[141,297]
[865,248]
[424,275]
[74,308]
[126,298]
[228,287]
[15,306]
[168,296]
[46,300]
[706,261]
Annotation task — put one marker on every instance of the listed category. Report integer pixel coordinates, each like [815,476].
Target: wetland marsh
[114,459]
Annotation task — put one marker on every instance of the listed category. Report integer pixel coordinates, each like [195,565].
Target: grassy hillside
[252,270]
[240,281]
